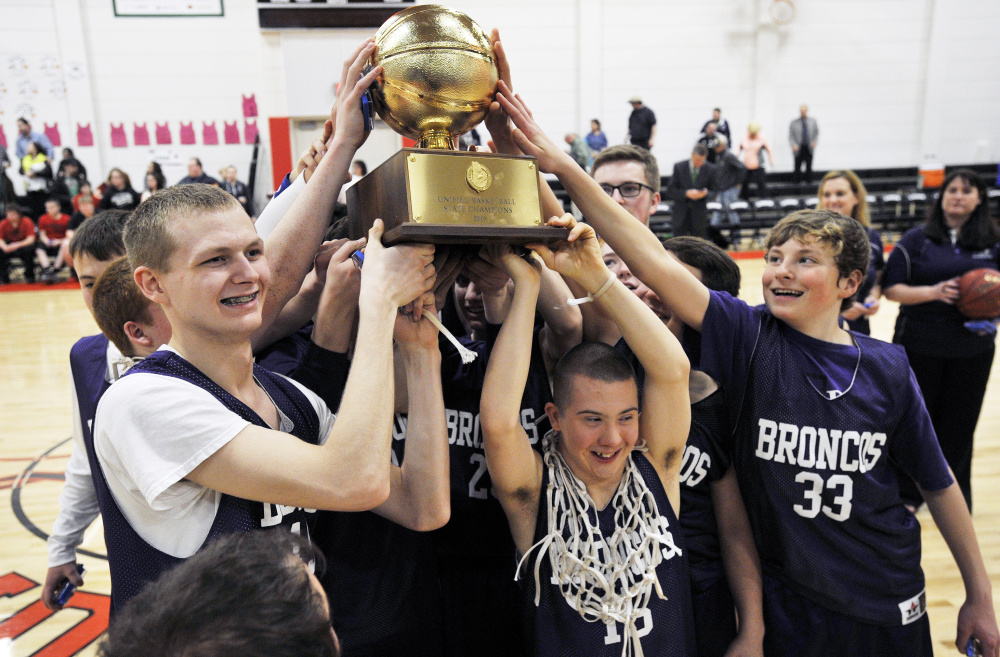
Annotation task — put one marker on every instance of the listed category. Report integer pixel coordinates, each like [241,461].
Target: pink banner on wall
[84,135]
[118,138]
[163,136]
[250,132]
[232,132]
[187,133]
[209,134]
[250,106]
[52,132]
[140,134]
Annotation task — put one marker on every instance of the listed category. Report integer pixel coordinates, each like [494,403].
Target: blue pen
[359,259]
[973,648]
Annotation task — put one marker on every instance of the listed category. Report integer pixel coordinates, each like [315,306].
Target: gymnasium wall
[892,83]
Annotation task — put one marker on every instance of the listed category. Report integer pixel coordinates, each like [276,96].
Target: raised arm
[515,468]
[420,490]
[637,246]
[350,471]
[666,408]
[294,240]
[977,617]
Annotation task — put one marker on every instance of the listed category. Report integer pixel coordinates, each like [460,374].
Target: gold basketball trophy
[438,80]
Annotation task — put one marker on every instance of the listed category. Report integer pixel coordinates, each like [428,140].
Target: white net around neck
[607,580]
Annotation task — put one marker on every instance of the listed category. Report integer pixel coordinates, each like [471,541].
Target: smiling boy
[598,506]
[824,424]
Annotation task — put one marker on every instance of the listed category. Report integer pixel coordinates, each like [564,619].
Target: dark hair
[198,161]
[100,237]
[362,165]
[594,360]
[245,594]
[155,166]
[718,270]
[118,300]
[68,153]
[40,148]
[630,153]
[53,199]
[717,109]
[20,209]
[161,181]
[21,119]
[125,178]
[148,236]
[699,149]
[979,232]
[597,121]
[847,239]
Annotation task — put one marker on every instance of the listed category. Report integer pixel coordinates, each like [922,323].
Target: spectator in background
[751,146]
[236,188]
[52,236]
[67,183]
[722,125]
[950,360]
[802,135]
[843,192]
[17,240]
[6,189]
[631,177]
[728,179]
[596,138]
[67,159]
[358,171]
[26,136]
[578,149]
[86,192]
[85,212]
[688,189]
[155,182]
[197,175]
[641,124]
[251,595]
[37,171]
[119,194]
[710,139]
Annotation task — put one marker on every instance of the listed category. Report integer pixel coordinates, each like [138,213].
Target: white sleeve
[78,501]
[151,431]
[278,207]
[323,412]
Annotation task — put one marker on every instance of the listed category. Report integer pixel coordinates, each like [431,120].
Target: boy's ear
[850,285]
[137,335]
[148,281]
[553,412]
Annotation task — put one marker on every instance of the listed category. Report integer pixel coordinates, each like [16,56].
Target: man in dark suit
[688,189]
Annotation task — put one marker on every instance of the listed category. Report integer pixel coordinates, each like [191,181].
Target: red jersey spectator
[17,240]
[52,227]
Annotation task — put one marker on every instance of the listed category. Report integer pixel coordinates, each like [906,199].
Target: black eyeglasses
[627,190]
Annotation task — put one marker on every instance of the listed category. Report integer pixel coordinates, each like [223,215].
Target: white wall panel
[890,82]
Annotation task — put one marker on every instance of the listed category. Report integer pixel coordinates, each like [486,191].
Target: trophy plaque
[438,80]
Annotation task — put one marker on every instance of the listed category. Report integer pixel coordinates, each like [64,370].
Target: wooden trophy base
[451,197]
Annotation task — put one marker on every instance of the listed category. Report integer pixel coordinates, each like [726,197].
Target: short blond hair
[148,238]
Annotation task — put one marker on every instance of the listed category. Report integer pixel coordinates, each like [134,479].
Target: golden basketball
[439,74]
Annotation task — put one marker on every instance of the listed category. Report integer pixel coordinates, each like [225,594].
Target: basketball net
[607,580]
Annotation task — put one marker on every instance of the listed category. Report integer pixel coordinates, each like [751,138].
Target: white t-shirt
[151,431]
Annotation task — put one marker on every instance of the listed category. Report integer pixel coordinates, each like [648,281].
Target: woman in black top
[119,195]
[951,360]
